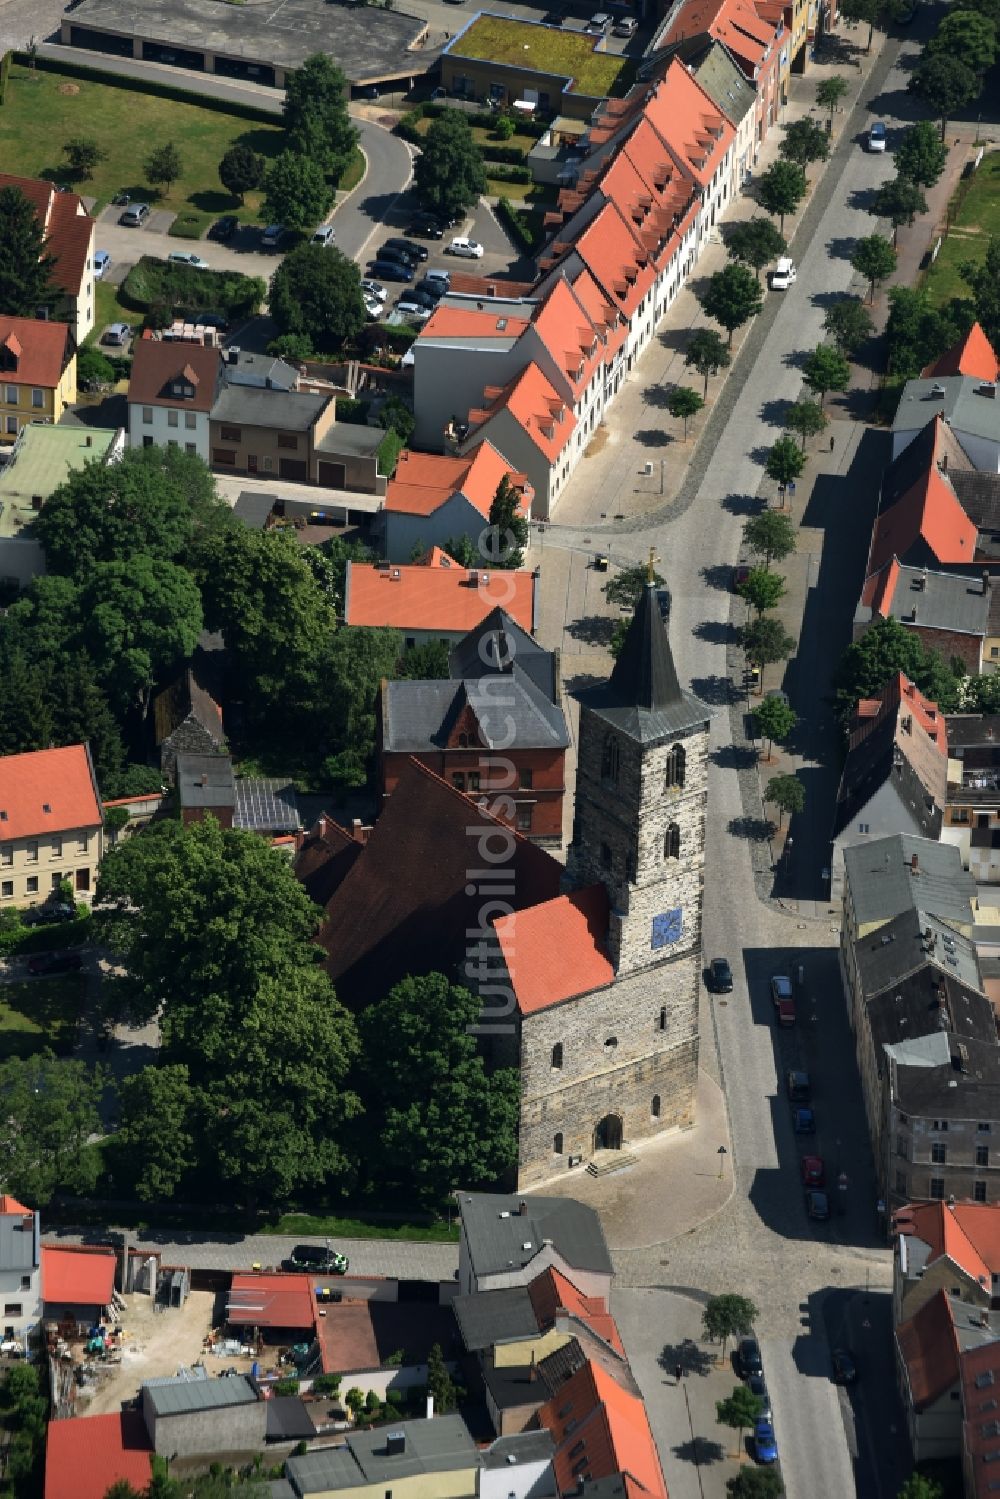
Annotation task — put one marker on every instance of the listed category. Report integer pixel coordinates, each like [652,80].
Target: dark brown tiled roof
[184,697]
[403,907]
[325,856]
[156,364]
[929,1349]
[68,228]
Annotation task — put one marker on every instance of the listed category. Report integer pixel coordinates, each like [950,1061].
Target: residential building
[968,404]
[78,1284]
[207,787]
[952,1247]
[945,1111]
[895,775]
[87,1455]
[973,355]
[69,238]
[43,457]
[20,1271]
[954,613]
[432,499]
[486,61]
[186,718]
[436,599]
[518,1467]
[51,825]
[37,373]
[756,40]
[932,1348]
[601,1432]
[435,1457]
[171,393]
[980,1430]
[497,731]
[725,83]
[972,814]
[507,1241]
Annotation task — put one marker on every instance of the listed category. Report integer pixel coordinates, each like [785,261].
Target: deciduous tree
[316,118]
[50,1114]
[707,354]
[163,165]
[921,155]
[875,259]
[156,1138]
[26,264]
[781,189]
[944,84]
[765,640]
[878,13]
[785,462]
[762,589]
[848,323]
[771,535]
[804,142]
[755,242]
[755,1483]
[899,201]
[317,291]
[683,403]
[829,92]
[449,176]
[139,620]
[296,192]
[885,649]
[627,586]
[739,1411]
[774,719]
[732,297]
[787,793]
[439,1382]
[806,419]
[83,154]
[967,36]
[983,279]
[728,1316]
[241,170]
[507,533]
[826,369]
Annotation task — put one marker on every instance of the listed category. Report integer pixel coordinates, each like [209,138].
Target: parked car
[804,1121]
[783,999]
[102,264]
[764,1445]
[185,257]
[876,136]
[407,247]
[373,289]
[813,1171]
[415,310]
[469,249]
[757,1386]
[598,24]
[318,1259]
[748,1357]
[391,270]
[134,216]
[50,913]
[212,320]
[373,309]
[720,976]
[432,288]
[422,297]
[553,18]
[434,279]
[817,1205]
[741,572]
[784,274]
[425,227]
[627,26]
[324,235]
[401,256]
[845,1370]
[225,227]
[798,1086]
[272,236]
[56,962]
[117,334]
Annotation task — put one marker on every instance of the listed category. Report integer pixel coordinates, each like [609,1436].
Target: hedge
[512,156]
[388,452]
[155,283]
[152,86]
[484,118]
[4,74]
[527,232]
[509,174]
[350,410]
[32,939]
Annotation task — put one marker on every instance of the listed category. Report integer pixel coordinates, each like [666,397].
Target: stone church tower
[609,1051]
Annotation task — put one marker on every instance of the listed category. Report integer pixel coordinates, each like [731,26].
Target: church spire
[644,675]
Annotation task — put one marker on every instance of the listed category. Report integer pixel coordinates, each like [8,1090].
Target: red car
[741,572]
[813,1171]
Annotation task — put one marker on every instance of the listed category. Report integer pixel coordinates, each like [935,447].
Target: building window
[939,1154]
[979,1191]
[663,1017]
[983,1128]
[7,888]
[190,420]
[190,447]
[32,885]
[82,844]
[147,442]
[609,761]
[409,642]
[941,1125]
[557,1143]
[286,440]
[901,1148]
[25,1282]
[901,1184]
[56,879]
[224,457]
[7,859]
[982,1155]
[524,819]
[525,779]
[57,848]
[11,425]
[605,856]
[83,879]
[654,1107]
[864,827]
[676,765]
[672,842]
[463,741]
[31,853]
[557,1055]
[147,416]
[231,434]
[937,1188]
[10,395]
[458,779]
[473,780]
[37,398]
[173,418]
[12,1309]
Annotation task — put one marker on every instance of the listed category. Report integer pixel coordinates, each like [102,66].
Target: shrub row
[509,174]
[16,938]
[182,288]
[526,231]
[512,156]
[350,410]
[388,452]
[433,109]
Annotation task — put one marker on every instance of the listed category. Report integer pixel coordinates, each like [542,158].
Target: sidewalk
[611,478]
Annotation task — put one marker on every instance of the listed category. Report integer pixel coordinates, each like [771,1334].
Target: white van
[783,274]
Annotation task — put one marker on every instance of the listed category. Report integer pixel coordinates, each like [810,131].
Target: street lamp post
[722,1153]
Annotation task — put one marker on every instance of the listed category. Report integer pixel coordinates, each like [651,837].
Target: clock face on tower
[668,928]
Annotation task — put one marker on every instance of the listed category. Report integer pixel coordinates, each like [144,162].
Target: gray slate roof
[488,1317]
[642,697]
[961,399]
[285,411]
[442,1445]
[420,715]
[943,601]
[496,1232]
[924,1002]
[979,494]
[205,780]
[524,1447]
[969,1090]
[887,955]
[241,367]
[883,883]
[170,1396]
[18,1246]
[350,438]
[870,765]
[500,639]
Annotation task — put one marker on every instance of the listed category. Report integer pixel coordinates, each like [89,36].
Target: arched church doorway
[608,1134]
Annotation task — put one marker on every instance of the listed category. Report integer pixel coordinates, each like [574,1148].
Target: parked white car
[876,136]
[471,249]
[325,235]
[783,274]
[185,257]
[375,290]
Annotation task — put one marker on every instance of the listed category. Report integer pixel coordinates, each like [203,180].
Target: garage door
[333,475]
[293,468]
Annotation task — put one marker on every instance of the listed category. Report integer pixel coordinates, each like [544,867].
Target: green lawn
[523,44]
[975,216]
[40,1012]
[44,110]
[536,194]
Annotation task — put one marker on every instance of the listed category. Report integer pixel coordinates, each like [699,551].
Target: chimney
[944,463]
[986,582]
[395,1443]
[914,864]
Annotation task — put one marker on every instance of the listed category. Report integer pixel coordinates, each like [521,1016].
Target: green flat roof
[45,458]
[543,49]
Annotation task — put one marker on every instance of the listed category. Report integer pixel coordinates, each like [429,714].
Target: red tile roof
[68,227]
[473,322]
[425,481]
[968,1233]
[48,791]
[271,1301]
[156,365]
[11,1208]
[683,115]
[617,259]
[535,405]
[928,1346]
[86,1455]
[32,352]
[439,599]
[898,693]
[927,518]
[973,355]
[83,1276]
[556,951]
[569,336]
[552,1294]
[599,1430]
[737,23]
